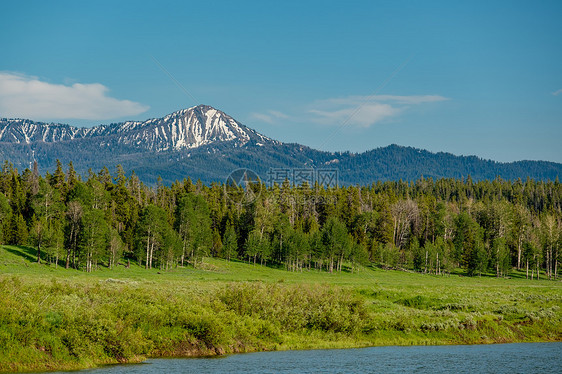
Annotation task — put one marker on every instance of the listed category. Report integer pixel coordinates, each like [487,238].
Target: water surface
[500,358]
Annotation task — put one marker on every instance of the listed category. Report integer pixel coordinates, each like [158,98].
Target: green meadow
[53,318]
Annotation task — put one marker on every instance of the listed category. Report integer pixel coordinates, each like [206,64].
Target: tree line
[431,226]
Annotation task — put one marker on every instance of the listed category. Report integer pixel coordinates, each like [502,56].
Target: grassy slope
[63,319]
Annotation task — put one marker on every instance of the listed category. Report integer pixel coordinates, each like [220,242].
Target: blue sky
[474,77]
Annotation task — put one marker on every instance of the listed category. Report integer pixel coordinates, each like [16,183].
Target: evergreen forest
[430,226]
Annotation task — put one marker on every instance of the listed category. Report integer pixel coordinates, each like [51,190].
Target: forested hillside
[429,225]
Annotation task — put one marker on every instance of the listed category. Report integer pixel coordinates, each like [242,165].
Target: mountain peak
[197,126]
[204,107]
[199,108]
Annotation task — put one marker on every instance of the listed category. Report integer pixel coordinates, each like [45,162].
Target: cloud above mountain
[365,111]
[26,96]
[358,111]
[270,116]
[362,115]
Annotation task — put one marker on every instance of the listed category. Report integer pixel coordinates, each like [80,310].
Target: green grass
[55,318]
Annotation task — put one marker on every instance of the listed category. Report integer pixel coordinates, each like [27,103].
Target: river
[501,358]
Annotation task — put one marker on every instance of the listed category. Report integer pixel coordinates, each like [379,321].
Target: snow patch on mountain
[184,129]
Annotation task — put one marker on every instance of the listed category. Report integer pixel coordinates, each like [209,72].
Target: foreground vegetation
[56,318]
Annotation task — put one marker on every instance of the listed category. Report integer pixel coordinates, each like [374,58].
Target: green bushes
[294,308]
[69,325]
[419,302]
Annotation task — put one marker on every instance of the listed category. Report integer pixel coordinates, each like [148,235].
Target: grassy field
[54,318]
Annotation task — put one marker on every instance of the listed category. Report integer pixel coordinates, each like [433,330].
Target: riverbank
[58,319]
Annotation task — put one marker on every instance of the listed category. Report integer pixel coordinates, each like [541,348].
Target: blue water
[500,358]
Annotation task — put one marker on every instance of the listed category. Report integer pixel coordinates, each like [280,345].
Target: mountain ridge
[185,128]
[205,143]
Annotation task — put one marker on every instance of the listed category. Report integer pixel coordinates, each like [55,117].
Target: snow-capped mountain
[205,143]
[184,129]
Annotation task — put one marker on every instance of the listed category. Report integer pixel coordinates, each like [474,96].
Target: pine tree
[19,231]
[93,237]
[5,217]
[230,242]
[39,234]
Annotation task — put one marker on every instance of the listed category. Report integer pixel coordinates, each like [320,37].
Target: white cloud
[262,117]
[278,114]
[364,116]
[556,93]
[28,97]
[271,116]
[365,111]
[413,99]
